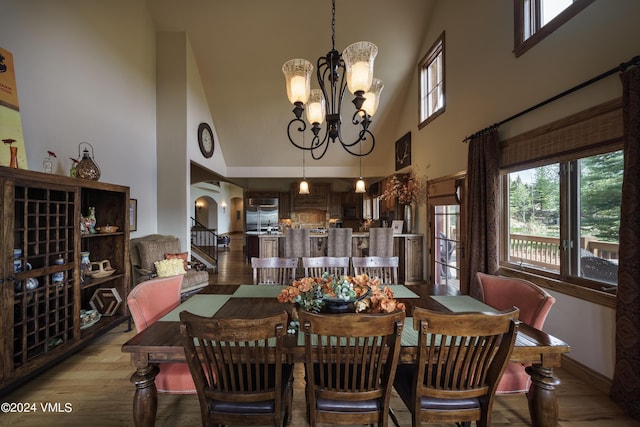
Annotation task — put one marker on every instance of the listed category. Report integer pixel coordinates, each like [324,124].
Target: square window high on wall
[432,79]
[536,19]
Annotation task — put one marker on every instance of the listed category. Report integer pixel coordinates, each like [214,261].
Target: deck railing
[545,251]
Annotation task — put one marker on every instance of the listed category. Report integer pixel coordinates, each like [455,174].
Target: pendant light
[360,187]
[304,185]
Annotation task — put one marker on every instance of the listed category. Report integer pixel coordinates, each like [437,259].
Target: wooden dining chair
[461,357]
[239,369]
[148,302]
[316,266]
[273,270]
[350,363]
[385,268]
[534,303]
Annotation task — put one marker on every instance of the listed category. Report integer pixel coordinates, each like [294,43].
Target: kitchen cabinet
[351,205]
[252,245]
[284,205]
[318,197]
[43,292]
[269,246]
[335,205]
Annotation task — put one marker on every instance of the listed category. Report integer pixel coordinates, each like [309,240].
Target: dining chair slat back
[384,268]
[273,270]
[239,368]
[461,357]
[316,266]
[350,363]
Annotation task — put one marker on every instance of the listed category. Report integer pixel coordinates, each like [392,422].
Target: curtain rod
[620,68]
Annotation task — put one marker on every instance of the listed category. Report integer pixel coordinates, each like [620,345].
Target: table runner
[258,291]
[460,303]
[268,291]
[401,291]
[202,305]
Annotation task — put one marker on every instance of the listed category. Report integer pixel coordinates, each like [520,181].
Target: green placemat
[401,291]
[460,303]
[258,291]
[202,305]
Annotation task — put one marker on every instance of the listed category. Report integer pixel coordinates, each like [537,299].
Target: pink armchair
[148,302]
[534,303]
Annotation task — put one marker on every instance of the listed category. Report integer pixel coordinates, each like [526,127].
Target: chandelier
[335,72]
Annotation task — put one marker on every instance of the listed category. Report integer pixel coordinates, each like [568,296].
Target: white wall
[486,83]
[86,72]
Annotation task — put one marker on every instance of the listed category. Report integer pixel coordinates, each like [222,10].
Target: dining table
[162,342]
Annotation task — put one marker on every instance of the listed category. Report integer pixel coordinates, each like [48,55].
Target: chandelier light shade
[358,61]
[297,73]
[372,97]
[335,72]
[360,186]
[316,109]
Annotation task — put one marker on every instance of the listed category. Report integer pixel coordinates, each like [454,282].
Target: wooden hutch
[43,296]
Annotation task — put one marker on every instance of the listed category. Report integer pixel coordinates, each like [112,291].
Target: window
[590,219]
[432,101]
[536,19]
[562,190]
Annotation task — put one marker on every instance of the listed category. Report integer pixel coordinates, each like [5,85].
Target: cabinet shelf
[41,220]
[94,235]
[90,283]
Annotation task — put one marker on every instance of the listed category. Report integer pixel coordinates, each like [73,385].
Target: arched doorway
[206,212]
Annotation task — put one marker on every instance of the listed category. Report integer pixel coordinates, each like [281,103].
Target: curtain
[625,389]
[483,201]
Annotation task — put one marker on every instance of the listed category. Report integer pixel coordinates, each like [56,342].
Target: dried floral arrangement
[367,293]
[409,188]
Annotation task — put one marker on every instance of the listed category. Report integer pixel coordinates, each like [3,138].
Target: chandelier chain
[333,24]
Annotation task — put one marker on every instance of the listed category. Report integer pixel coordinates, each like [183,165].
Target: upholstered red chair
[148,302]
[534,303]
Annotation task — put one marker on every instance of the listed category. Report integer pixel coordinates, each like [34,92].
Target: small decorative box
[106,301]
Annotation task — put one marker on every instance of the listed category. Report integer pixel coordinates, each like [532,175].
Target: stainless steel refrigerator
[262,214]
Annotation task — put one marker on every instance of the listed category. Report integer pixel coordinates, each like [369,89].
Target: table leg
[543,405]
[145,399]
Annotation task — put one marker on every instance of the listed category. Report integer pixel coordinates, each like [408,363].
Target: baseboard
[586,374]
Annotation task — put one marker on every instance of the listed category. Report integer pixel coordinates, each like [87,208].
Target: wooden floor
[92,387]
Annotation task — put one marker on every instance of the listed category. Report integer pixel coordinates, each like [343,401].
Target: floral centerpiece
[312,293]
[407,188]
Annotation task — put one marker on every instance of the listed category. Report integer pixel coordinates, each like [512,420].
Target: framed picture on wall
[403,151]
[133,214]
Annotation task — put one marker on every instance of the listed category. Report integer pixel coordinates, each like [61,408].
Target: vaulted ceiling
[241,45]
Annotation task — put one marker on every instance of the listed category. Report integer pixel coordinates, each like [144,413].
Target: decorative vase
[408,218]
[13,163]
[85,264]
[87,167]
[59,276]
